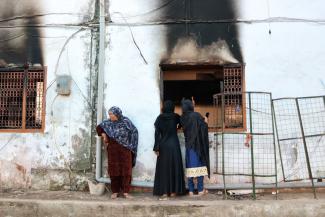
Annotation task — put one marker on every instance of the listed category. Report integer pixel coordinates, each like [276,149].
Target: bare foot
[172,194]
[191,194]
[114,196]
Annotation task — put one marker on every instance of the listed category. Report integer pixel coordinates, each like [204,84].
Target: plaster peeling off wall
[13,175]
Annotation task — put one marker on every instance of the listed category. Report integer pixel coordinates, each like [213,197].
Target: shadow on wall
[207,22]
[20,42]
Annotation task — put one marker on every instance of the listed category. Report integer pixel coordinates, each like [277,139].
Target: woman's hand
[105,138]
[157,153]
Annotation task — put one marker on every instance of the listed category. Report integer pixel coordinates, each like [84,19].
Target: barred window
[22,99]
[230,104]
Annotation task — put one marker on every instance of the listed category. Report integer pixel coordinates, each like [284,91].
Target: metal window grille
[229,104]
[22,103]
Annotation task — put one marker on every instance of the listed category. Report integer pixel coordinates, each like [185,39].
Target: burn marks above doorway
[207,24]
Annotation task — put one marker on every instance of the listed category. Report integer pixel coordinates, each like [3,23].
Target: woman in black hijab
[197,146]
[169,177]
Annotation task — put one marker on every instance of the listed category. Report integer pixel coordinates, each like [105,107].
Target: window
[230,104]
[22,99]
[216,89]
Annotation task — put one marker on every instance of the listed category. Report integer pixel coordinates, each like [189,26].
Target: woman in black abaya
[169,177]
[197,147]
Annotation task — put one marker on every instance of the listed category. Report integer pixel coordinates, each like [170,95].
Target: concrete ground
[82,204]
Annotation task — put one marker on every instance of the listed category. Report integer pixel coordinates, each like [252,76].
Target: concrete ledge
[14,207]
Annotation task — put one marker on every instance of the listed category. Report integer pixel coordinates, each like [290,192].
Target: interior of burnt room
[215,89]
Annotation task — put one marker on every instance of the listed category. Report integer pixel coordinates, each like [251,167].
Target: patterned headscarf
[122,131]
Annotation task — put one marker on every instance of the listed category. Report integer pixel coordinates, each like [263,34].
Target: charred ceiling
[19,36]
[205,23]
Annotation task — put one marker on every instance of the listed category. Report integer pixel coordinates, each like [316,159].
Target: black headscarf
[187,106]
[168,107]
[195,132]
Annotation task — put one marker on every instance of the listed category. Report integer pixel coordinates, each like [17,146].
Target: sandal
[114,196]
[163,197]
[204,192]
[172,194]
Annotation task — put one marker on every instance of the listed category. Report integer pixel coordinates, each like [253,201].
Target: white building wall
[65,143]
[287,62]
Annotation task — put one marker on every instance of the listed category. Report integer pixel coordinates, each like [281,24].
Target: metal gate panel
[247,155]
[290,140]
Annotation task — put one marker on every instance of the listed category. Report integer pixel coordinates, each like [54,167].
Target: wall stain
[22,44]
[203,32]
[81,146]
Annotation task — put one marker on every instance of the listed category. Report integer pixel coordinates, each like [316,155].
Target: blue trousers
[199,184]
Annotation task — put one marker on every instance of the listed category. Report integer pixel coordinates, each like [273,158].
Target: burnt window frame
[227,68]
[26,70]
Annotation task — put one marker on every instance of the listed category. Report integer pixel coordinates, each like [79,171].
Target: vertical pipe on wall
[100,91]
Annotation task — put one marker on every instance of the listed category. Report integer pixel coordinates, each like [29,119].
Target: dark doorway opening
[202,82]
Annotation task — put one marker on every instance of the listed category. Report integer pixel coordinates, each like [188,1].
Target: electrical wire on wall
[53,81]
[14,18]
[91,24]
[63,47]
[11,37]
[131,32]
[13,136]
[162,6]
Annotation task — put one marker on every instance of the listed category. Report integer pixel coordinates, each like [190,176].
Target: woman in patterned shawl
[197,147]
[121,140]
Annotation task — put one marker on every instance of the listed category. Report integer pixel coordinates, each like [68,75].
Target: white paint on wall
[287,62]
[67,117]
[133,85]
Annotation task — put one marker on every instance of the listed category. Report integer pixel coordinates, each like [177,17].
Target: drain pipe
[100,90]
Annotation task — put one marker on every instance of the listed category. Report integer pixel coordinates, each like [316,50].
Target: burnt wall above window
[207,21]
[21,42]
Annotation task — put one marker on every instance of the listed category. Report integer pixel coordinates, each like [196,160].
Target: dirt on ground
[147,196]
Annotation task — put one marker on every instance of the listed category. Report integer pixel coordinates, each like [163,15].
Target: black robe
[196,135]
[169,177]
